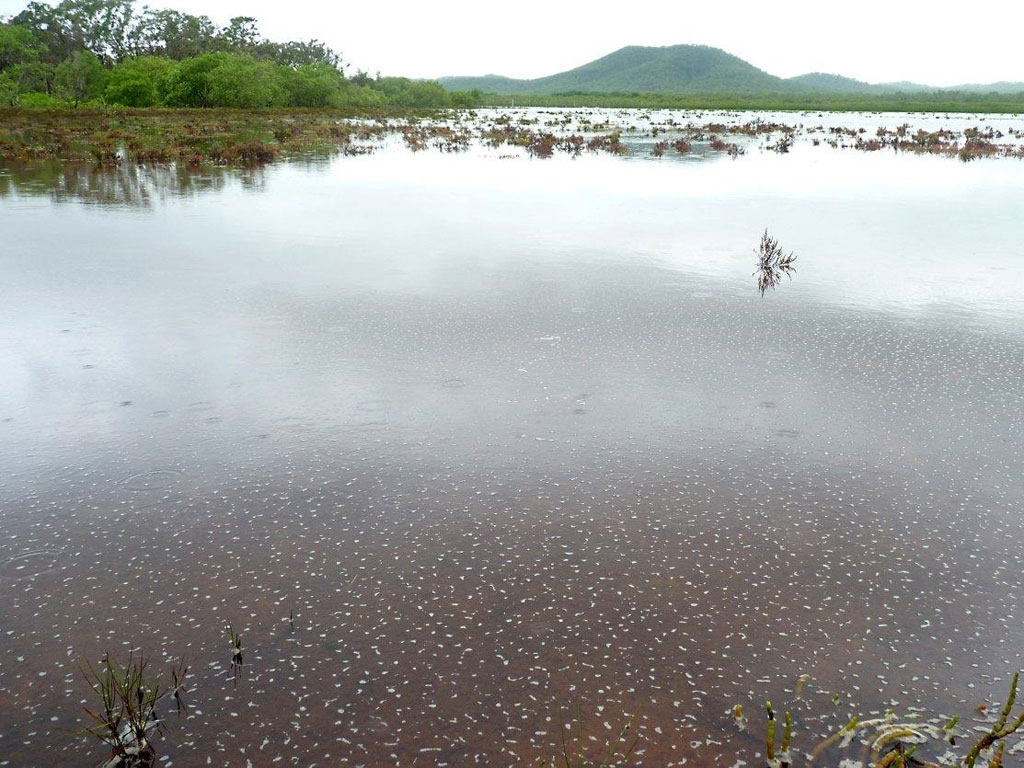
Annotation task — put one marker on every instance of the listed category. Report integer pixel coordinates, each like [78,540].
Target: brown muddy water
[507,436]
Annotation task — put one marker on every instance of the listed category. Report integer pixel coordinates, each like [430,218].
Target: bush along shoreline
[110,52]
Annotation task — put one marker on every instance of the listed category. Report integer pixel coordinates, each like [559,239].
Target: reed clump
[897,741]
[572,750]
[1002,728]
[126,719]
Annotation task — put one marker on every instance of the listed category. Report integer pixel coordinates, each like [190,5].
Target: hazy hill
[820,82]
[1001,87]
[689,69]
[677,68]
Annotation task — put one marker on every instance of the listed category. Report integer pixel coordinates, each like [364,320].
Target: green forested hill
[820,82]
[693,69]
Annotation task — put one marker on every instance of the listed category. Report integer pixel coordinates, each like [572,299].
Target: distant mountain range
[689,69]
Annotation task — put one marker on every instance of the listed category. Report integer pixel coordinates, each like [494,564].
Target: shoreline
[252,138]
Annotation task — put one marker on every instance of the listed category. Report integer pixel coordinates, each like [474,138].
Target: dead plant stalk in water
[772,263]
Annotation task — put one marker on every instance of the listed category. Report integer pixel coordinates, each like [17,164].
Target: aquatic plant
[975,148]
[1000,729]
[611,143]
[126,719]
[543,145]
[235,641]
[178,674]
[783,145]
[739,717]
[573,144]
[682,146]
[894,741]
[235,138]
[772,263]
[782,759]
[573,751]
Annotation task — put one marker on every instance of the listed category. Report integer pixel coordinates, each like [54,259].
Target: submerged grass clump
[126,721]
[896,741]
[573,752]
[126,718]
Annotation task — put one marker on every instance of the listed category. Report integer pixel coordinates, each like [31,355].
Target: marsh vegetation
[124,711]
[248,138]
[891,740]
[125,719]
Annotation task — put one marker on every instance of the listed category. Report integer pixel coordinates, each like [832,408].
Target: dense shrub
[187,83]
[133,82]
[242,81]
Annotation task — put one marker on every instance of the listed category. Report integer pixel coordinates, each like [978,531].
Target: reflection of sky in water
[539,409]
[903,233]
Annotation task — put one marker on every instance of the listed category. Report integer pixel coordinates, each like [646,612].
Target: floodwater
[507,436]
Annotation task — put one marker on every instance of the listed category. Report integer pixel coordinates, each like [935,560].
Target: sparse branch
[772,263]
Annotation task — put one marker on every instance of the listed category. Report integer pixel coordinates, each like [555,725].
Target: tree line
[98,52]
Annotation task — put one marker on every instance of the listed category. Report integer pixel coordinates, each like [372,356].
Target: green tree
[313,85]
[241,34]
[105,27]
[17,46]
[298,53]
[22,79]
[182,35]
[362,77]
[20,68]
[359,96]
[115,30]
[466,98]
[242,81]
[52,29]
[80,78]
[187,83]
[179,35]
[133,82]
[403,92]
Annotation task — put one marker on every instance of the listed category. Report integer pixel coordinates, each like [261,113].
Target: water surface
[504,435]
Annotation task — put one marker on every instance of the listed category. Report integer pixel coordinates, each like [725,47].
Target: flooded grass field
[467,444]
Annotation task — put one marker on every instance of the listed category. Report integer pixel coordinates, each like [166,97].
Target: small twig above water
[772,263]
[236,654]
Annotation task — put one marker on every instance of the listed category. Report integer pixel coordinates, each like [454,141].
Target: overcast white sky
[935,42]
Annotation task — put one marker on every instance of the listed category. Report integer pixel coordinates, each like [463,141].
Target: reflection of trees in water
[126,184]
[311,161]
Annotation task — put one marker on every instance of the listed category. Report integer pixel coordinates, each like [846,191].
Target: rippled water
[507,435]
